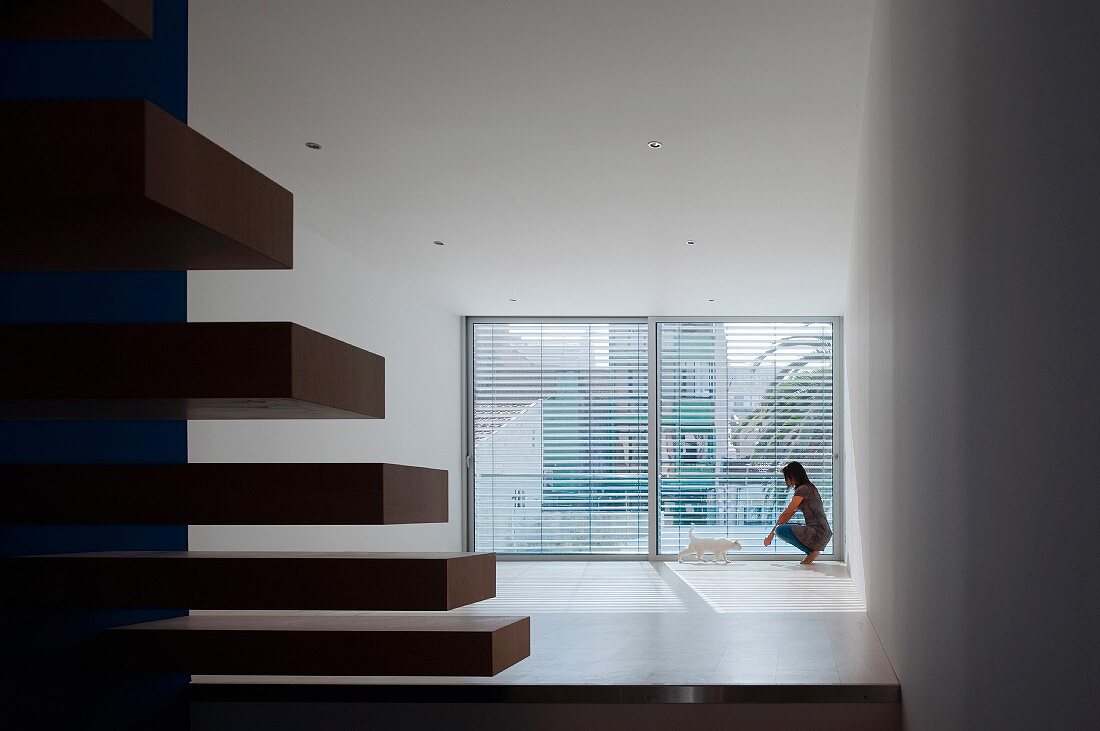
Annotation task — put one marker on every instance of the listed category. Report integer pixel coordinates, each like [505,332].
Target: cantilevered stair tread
[88,19]
[364,645]
[186,370]
[225,494]
[121,184]
[346,580]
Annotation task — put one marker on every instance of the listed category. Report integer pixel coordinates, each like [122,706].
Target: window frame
[468,516]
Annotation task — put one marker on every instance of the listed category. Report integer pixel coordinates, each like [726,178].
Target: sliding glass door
[619,436]
[736,401]
[560,437]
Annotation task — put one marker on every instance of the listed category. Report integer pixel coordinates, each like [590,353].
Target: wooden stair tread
[121,184]
[225,494]
[281,555]
[311,623]
[192,370]
[363,645]
[98,19]
[346,580]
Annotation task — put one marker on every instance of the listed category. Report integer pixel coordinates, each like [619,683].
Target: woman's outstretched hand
[769,538]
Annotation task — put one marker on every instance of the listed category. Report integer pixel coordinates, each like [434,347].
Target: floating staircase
[223,494]
[235,580]
[92,19]
[121,184]
[395,645]
[186,370]
[109,185]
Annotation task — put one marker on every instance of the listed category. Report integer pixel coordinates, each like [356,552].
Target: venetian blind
[560,437]
[738,400]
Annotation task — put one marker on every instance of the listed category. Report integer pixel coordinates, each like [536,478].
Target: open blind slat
[561,454]
[736,401]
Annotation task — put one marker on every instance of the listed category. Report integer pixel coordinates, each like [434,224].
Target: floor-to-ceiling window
[736,401]
[567,456]
[560,437]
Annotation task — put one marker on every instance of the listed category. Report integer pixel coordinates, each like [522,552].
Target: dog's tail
[691,533]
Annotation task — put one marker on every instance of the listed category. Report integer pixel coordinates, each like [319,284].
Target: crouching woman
[812,537]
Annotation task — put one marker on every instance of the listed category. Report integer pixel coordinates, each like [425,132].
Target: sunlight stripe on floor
[575,589]
[771,588]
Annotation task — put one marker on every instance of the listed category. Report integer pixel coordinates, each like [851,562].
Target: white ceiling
[516,131]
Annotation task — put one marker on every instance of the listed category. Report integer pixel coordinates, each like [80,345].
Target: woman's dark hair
[796,472]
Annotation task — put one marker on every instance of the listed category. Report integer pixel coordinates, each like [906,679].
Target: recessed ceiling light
[512,300]
[690,243]
[438,243]
[710,299]
[313,146]
[654,144]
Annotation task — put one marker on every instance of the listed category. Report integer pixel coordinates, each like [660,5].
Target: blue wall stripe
[154,69]
[39,694]
[93,297]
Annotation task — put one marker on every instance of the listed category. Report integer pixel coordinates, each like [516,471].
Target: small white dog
[699,546]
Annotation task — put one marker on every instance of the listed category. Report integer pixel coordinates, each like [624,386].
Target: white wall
[385,312]
[853,531]
[971,356]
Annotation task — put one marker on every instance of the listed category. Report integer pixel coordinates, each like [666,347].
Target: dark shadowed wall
[972,358]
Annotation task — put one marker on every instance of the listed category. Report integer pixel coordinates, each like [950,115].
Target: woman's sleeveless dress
[816,533]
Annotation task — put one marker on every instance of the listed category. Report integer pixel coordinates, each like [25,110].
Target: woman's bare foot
[810,558]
